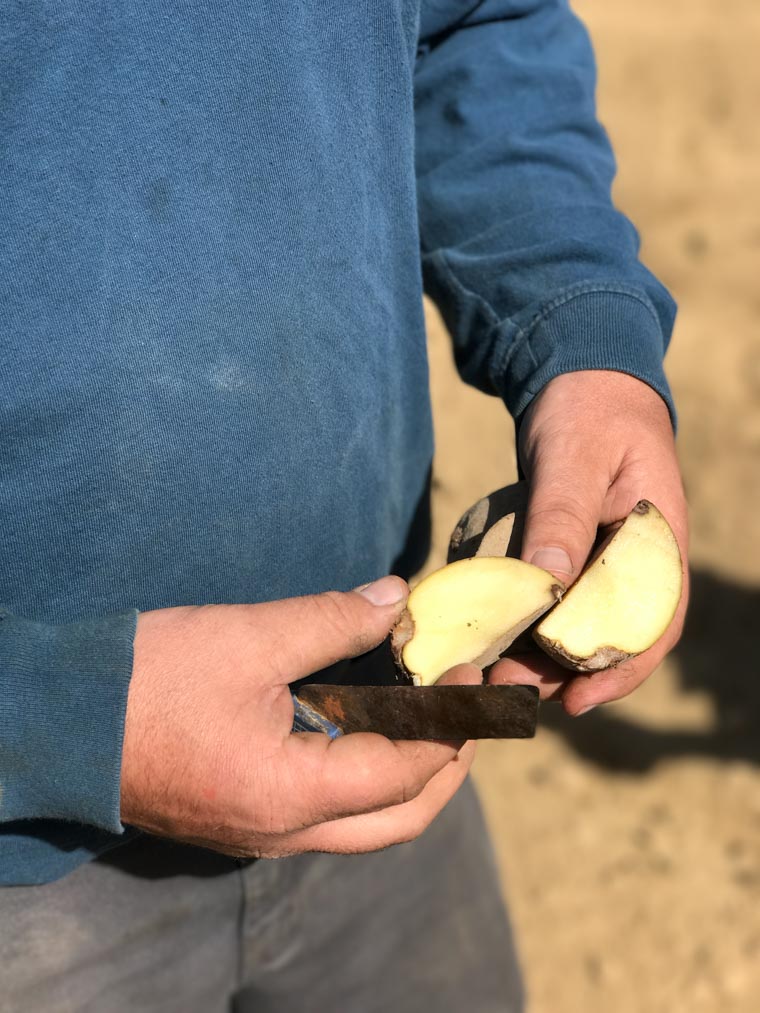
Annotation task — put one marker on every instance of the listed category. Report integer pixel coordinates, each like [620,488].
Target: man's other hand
[209,757]
[592,444]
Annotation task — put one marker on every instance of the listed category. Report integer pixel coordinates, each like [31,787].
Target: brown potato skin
[602,658]
[401,634]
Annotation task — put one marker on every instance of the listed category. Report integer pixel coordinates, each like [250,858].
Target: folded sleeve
[535,271]
[63,698]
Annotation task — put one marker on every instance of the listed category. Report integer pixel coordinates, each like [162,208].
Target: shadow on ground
[719,655]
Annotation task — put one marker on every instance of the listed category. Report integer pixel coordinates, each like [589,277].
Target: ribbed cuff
[63,699]
[611,327]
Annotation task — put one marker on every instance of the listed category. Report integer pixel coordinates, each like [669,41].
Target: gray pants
[155,926]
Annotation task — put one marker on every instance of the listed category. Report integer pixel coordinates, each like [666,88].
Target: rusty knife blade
[421,712]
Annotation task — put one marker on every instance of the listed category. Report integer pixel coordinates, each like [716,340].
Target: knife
[418,712]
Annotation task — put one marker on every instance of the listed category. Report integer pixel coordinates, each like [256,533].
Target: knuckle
[568,516]
[338,616]
[367,790]
[273,804]
[411,788]
[371,788]
[334,611]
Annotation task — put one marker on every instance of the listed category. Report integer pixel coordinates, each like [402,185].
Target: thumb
[564,509]
[309,633]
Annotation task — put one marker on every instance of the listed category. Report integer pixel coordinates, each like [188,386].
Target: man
[215,391]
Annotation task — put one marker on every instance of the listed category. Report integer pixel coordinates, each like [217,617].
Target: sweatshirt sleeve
[63,697]
[534,270]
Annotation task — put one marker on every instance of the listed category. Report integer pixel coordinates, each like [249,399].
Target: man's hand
[592,444]
[208,754]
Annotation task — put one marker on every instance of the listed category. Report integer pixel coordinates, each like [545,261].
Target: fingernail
[585,710]
[386,591]
[554,559]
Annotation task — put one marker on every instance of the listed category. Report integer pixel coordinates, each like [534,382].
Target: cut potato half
[469,611]
[623,603]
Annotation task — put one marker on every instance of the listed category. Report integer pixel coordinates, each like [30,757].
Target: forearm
[536,273]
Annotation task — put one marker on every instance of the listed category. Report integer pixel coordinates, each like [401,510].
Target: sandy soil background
[630,839]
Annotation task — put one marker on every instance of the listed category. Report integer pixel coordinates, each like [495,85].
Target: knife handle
[306,719]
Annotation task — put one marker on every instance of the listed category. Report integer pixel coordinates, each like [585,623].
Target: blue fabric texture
[216,223]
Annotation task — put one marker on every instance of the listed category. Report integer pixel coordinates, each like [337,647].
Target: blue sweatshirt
[217,219]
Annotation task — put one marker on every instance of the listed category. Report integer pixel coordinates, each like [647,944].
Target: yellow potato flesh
[470,611]
[627,597]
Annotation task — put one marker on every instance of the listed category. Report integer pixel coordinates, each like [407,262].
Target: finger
[564,507]
[389,826]
[461,675]
[357,773]
[362,772]
[574,439]
[304,635]
[533,669]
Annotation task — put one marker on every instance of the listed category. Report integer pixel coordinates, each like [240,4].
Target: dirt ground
[630,839]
